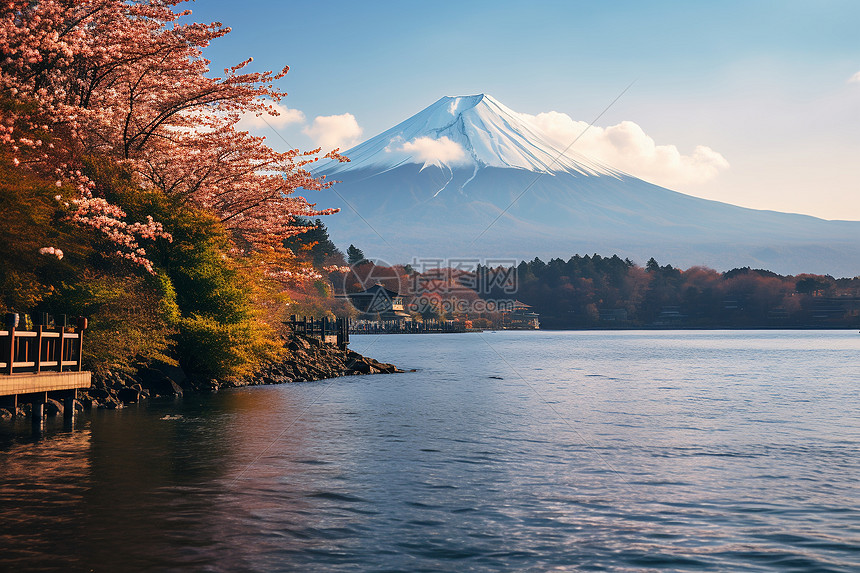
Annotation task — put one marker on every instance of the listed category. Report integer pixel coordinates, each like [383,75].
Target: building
[616,316]
[520,317]
[379,303]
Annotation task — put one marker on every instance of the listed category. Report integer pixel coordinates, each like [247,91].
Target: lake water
[505,451]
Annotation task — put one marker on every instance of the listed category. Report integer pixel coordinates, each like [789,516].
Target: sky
[755,103]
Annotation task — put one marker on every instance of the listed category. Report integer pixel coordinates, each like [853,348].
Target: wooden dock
[329,331]
[44,363]
[18,384]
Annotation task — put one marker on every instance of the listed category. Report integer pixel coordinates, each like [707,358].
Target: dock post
[11,324]
[61,343]
[82,326]
[69,413]
[38,411]
[69,407]
[39,348]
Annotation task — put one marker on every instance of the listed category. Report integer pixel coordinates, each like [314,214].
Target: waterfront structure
[40,364]
[379,303]
[520,317]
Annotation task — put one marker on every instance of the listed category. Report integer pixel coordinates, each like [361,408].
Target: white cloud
[432,151]
[627,147]
[334,131]
[855,79]
[286,116]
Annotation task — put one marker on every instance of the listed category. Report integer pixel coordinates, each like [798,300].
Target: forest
[595,291]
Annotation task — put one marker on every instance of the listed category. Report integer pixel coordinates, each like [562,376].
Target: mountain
[469,178]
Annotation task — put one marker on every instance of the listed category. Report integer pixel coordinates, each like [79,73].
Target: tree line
[595,291]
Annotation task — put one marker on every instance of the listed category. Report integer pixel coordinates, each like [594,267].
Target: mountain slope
[468,177]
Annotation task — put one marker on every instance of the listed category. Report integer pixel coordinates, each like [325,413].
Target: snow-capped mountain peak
[475,131]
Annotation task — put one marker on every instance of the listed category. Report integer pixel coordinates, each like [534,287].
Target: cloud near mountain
[431,151]
[331,131]
[627,147]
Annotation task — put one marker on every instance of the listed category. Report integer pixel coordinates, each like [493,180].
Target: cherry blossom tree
[128,80]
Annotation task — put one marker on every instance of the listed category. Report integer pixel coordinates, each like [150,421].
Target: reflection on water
[506,451]
[41,490]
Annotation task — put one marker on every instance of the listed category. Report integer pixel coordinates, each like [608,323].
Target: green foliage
[354,255]
[315,244]
[204,289]
[815,284]
[129,319]
[128,313]
[210,348]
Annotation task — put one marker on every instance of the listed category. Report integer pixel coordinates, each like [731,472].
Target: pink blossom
[51,251]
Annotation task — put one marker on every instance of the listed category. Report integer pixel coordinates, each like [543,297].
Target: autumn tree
[111,112]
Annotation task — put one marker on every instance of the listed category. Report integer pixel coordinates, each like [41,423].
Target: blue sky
[766,85]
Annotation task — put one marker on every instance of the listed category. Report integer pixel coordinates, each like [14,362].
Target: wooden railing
[330,331]
[45,349]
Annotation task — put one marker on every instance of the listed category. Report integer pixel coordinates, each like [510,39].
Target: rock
[98,393]
[53,407]
[157,383]
[98,382]
[79,407]
[361,366]
[298,343]
[129,395]
[117,381]
[210,385]
[5,414]
[174,373]
[311,359]
[24,409]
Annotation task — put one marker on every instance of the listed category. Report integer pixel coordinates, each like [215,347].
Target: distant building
[520,317]
[670,316]
[613,315]
[834,310]
[379,303]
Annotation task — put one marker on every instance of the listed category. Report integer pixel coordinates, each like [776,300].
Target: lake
[505,451]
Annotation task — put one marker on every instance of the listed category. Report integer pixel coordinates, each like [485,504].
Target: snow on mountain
[469,177]
[487,133]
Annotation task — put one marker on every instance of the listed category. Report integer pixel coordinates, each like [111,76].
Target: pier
[42,364]
[327,330]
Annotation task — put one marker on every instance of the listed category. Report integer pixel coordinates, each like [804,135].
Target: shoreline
[308,360]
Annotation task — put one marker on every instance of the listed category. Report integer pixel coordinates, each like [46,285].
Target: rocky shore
[307,359]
